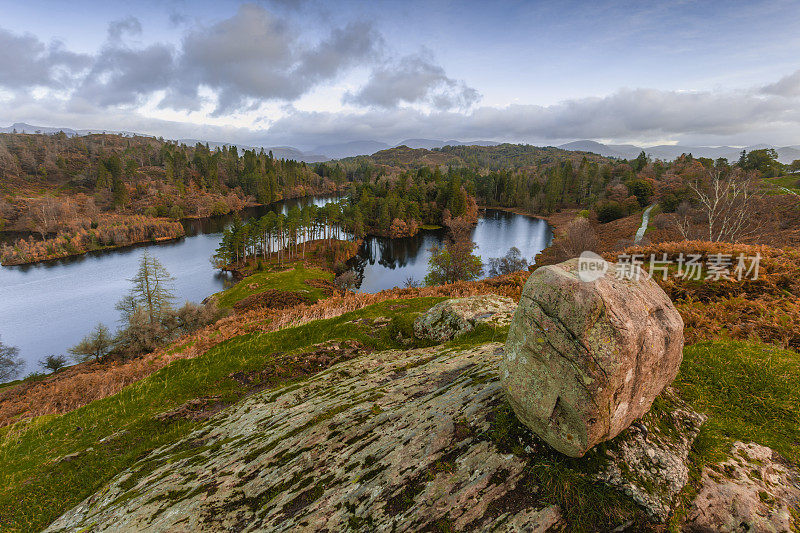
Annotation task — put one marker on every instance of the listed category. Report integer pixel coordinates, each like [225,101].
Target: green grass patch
[292,279]
[790,181]
[750,391]
[430,226]
[35,487]
[551,478]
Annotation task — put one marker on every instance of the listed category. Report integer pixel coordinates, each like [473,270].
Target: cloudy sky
[304,73]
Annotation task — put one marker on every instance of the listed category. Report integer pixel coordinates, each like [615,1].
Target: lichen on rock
[395,441]
[650,462]
[754,490]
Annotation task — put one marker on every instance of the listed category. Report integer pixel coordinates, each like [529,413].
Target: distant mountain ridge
[355,148]
[22,127]
[281,152]
[786,154]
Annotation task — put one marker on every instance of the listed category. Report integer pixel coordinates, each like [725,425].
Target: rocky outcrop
[451,318]
[390,441]
[753,491]
[650,462]
[584,359]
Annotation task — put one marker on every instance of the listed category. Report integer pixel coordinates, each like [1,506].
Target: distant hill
[357,148]
[22,127]
[498,156]
[279,152]
[430,144]
[350,149]
[786,154]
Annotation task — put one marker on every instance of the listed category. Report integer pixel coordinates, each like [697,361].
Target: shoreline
[146,242]
[553,219]
[100,250]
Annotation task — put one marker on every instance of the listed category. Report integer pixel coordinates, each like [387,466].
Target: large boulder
[584,359]
[451,318]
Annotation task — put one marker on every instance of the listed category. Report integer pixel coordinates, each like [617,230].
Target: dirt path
[643,228]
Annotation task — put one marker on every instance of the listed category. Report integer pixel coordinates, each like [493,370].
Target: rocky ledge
[389,441]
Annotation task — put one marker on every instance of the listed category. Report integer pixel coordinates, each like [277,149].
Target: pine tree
[152,288]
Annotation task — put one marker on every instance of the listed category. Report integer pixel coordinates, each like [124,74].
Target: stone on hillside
[584,359]
[650,461]
[755,490]
[451,318]
[378,443]
[417,440]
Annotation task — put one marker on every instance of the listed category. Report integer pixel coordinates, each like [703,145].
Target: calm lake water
[386,263]
[47,307]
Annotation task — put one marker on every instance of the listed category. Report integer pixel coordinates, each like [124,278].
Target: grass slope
[750,391]
[40,478]
[49,464]
[287,280]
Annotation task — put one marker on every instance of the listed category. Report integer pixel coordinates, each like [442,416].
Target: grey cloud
[25,62]
[626,114]
[121,75]
[254,56]
[344,47]
[244,60]
[117,28]
[412,79]
[643,114]
[177,18]
[786,86]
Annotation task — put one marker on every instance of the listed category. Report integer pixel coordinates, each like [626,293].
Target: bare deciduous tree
[347,281]
[726,199]
[509,263]
[45,214]
[579,236]
[53,363]
[10,363]
[411,282]
[152,289]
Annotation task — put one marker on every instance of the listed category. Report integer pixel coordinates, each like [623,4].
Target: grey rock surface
[755,490]
[452,318]
[652,466]
[393,441]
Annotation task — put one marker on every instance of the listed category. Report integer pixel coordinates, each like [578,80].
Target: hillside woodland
[69,195]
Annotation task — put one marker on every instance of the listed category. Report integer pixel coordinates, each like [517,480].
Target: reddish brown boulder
[584,359]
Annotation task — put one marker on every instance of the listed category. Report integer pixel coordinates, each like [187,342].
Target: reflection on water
[387,263]
[47,307]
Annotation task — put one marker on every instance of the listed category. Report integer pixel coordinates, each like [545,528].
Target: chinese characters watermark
[691,267]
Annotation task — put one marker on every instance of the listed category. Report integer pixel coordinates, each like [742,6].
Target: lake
[47,307]
[384,263]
